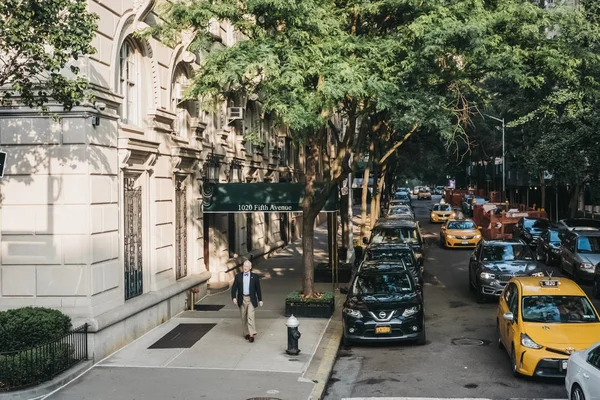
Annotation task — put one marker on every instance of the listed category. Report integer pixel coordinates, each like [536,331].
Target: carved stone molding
[137,154]
[185,160]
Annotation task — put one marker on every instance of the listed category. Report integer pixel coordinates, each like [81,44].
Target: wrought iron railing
[22,368]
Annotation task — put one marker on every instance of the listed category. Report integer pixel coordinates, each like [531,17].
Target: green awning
[259,197]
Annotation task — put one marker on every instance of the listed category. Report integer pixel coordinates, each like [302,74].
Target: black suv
[398,231]
[530,229]
[495,262]
[383,303]
[548,245]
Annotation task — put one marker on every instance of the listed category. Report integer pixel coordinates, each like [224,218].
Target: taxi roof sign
[549,283]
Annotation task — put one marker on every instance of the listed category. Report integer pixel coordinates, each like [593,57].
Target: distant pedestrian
[246,294]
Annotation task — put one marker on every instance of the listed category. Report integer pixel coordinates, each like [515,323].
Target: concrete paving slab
[109,383]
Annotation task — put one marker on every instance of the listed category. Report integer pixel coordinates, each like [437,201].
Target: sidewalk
[221,364]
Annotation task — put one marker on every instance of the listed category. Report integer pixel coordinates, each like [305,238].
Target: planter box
[309,309]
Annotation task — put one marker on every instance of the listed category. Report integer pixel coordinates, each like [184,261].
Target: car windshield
[402,235]
[554,237]
[588,244]
[401,196]
[461,225]
[383,284]
[506,252]
[535,223]
[582,223]
[389,254]
[442,207]
[565,309]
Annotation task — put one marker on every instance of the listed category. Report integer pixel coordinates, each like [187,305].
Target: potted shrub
[321,305]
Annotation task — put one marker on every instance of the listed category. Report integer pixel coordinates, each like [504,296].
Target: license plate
[465,242]
[564,364]
[382,329]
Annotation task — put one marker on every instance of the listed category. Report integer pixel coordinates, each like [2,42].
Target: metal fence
[23,368]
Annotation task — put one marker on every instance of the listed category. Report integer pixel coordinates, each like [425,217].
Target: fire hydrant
[293,335]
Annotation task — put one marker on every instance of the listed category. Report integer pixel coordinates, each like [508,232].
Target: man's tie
[246,274]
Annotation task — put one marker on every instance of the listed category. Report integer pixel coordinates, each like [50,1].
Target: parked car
[401,210]
[415,190]
[530,229]
[541,321]
[573,223]
[395,252]
[495,262]
[580,253]
[548,246]
[460,233]
[401,198]
[392,230]
[424,194]
[583,374]
[383,303]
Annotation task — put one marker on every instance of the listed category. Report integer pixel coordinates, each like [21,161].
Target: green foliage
[34,366]
[40,43]
[324,297]
[27,327]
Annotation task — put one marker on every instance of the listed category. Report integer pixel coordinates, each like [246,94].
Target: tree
[386,67]
[38,40]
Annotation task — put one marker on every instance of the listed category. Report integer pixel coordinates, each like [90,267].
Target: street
[461,358]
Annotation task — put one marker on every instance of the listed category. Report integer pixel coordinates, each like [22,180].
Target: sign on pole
[2,163]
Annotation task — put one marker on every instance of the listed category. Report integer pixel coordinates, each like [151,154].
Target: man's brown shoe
[247,337]
[251,339]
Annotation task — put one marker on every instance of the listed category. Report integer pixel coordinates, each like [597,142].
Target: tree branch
[396,145]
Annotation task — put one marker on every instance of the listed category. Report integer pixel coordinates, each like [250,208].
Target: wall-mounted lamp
[236,170]
[212,166]
[95,120]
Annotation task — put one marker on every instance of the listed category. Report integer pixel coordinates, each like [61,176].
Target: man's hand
[260,303]
[235,301]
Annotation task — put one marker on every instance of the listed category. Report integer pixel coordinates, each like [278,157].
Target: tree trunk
[574,201]
[363,204]
[345,217]
[380,183]
[308,233]
[374,210]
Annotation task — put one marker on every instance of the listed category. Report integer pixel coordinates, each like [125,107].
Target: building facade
[101,207]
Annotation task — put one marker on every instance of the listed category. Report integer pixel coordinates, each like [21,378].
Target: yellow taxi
[543,320]
[441,212]
[460,233]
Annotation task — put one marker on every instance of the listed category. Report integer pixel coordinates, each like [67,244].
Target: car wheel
[346,341]
[481,298]
[513,363]
[422,340]
[596,289]
[500,345]
[577,393]
[442,241]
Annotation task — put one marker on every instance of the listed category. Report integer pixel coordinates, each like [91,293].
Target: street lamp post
[503,156]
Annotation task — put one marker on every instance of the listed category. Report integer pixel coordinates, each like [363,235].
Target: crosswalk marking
[437,398]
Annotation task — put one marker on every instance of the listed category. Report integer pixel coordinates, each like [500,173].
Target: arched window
[129,83]
[185,109]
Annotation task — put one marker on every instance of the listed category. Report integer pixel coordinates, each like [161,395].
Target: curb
[320,369]
[49,386]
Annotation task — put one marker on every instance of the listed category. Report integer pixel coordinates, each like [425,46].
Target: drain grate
[469,342]
[183,336]
[208,307]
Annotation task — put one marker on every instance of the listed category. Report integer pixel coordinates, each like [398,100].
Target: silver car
[580,253]
[583,374]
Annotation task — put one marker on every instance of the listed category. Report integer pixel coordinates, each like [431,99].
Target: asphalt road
[446,367]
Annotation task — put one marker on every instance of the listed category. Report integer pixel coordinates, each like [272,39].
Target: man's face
[247,267]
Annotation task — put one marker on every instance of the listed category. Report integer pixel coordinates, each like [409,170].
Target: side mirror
[480,227]
[509,317]
[419,288]
[443,227]
[343,290]
[365,240]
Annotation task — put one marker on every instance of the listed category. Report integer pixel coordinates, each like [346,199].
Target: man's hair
[247,263]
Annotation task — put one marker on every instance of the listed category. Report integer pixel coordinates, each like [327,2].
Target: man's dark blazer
[237,289]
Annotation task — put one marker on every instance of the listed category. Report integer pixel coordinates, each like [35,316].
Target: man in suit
[246,294]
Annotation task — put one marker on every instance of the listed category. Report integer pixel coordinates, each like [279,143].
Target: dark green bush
[27,327]
[29,367]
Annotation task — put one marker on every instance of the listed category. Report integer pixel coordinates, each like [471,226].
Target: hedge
[27,327]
